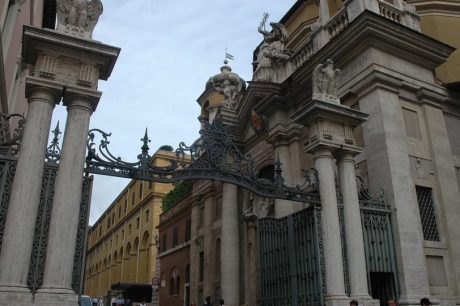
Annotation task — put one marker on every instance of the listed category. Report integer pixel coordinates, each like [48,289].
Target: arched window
[174,283]
[145,240]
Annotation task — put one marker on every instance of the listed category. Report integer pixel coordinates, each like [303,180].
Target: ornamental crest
[257,122]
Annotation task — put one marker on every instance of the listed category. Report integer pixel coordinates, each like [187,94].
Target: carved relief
[78,17]
[259,207]
[325,82]
[258,122]
[46,66]
[88,75]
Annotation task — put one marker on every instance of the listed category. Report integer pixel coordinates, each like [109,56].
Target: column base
[10,295]
[55,297]
[340,300]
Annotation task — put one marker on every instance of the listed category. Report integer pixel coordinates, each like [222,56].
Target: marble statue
[231,89]
[325,82]
[78,17]
[273,49]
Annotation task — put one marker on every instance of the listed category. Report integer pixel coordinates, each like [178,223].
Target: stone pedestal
[25,195]
[230,246]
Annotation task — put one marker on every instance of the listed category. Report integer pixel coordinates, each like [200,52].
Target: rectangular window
[201,272]
[129,229]
[150,184]
[141,187]
[163,243]
[119,212]
[175,236]
[126,205]
[123,234]
[147,215]
[188,230]
[132,198]
[138,222]
[427,213]
[108,223]
[113,218]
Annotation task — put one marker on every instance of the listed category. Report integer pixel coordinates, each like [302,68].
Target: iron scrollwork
[213,156]
[10,140]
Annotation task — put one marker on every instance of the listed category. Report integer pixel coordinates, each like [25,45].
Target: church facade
[363,95]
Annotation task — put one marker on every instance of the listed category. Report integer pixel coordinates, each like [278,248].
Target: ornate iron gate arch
[213,156]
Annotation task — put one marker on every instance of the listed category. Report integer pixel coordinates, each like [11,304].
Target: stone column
[18,237]
[335,284]
[57,279]
[353,228]
[208,245]
[230,268]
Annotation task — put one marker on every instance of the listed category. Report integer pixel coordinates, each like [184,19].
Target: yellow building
[122,242]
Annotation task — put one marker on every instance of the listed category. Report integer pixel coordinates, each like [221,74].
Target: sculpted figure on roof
[273,49]
[78,17]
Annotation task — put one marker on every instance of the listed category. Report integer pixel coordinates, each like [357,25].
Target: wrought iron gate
[8,163]
[378,246]
[292,270]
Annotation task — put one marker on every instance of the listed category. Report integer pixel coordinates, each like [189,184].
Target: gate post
[76,63]
[25,195]
[57,279]
[330,130]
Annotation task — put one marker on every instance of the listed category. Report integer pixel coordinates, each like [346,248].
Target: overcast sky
[169,49]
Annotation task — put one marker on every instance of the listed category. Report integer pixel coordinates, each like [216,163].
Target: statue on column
[78,17]
[273,49]
[325,82]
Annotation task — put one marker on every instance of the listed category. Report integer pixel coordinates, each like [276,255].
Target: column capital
[345,155]
[43,89]
[81,97]
[322,152]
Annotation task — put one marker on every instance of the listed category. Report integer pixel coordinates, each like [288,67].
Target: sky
[169,49]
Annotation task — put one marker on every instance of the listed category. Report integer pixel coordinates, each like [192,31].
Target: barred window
[427,214]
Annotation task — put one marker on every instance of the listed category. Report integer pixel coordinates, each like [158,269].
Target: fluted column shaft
[66,203]
[335,284]
[230,278]
[353,228]
[25,195]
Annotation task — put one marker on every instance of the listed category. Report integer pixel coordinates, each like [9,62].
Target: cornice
[38,39]
[372,30]
[437,7]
